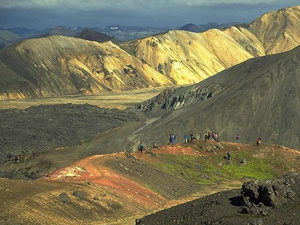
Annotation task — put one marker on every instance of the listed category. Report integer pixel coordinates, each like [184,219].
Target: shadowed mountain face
[259,97]
[59,65]
[91,35]
[201,28]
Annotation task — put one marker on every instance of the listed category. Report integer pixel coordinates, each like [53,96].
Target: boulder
[268,192]
[64,198]
[79,194]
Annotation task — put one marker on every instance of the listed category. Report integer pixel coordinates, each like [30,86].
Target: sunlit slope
[188,57]
[278,31]
[59,65]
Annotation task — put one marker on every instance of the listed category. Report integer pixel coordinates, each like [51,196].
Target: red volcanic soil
[86,171]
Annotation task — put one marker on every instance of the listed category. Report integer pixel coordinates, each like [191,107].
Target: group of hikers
[211,135]
[191,137]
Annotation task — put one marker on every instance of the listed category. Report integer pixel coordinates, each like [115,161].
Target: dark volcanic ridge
[259,97]
[92,35]
[204,27]
[260,202]
[45,127]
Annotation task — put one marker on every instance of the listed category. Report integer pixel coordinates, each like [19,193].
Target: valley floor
[116,99]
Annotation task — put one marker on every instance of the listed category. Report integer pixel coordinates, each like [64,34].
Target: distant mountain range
[115,33]
[58,65]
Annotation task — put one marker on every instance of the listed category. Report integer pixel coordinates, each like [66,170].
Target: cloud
[131,4]
[92,13]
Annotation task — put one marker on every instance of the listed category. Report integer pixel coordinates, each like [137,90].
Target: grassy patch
[258,168]
[215,169]
[194,168]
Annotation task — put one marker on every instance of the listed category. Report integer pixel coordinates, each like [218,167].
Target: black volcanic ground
[45,127]
[228,208]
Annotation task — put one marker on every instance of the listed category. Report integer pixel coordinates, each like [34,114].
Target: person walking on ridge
[141,147]
[237,139]
[170,139]
[186,137]
[173,137]
[258,140]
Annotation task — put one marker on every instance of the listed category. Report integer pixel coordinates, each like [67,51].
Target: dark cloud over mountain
[51,13]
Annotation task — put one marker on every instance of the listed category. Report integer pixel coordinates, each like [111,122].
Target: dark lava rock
[79,194]
[45,127]
[64,198]
[268,192]
[231,208]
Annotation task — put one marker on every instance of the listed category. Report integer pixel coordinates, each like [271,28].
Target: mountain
[187,57]
[60,30]
[7,37]
[204,27]
[259,97]
[92,35]
[25,32]
[278,31]
[59,65]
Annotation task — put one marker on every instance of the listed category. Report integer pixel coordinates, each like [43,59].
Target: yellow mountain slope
[59,65]
[278,31]
[188,57]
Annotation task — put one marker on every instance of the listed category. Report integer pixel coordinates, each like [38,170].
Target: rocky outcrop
[170,100]
[268,192]
[258,196]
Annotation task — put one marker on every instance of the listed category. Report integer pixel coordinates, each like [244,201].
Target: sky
[154,13]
